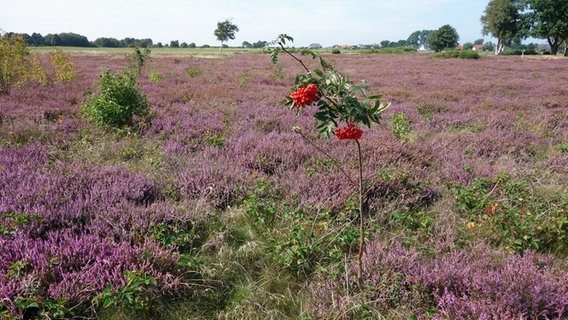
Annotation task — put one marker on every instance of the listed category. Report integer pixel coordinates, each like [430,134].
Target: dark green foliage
[119,99]
[465,54]
[548,18]
[445,37]
[503,20]
[391,50]
[225,30]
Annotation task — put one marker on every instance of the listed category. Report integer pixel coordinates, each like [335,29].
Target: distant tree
[468,46]
[174,44]
[183,45]
[36,39]
[51,40]
[488,46]
[259,44]
[414,39]
[225,30]
[247,44]
[503,20]
[145,43]
[418,38]
[315,46]
[549,20]
[478,41]
[192,45]
[159,45]
[385,43]
[107,43]
[445,37]
[401,43]
[71,39]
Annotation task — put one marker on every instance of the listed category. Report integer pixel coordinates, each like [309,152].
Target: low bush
[513,214]
[119,99]
[465,54]
[18,65]
[519,52]
[396,50]
[64,68]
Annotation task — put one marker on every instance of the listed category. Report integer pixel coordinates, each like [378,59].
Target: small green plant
[138,59]
[64,68]
[511,213]
[278,73]
[401,126]
[154,76]
[119,99]
[215,140]
[192,72]
[562,148]
[136,294]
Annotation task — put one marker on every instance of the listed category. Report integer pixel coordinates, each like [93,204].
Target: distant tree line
[70,39]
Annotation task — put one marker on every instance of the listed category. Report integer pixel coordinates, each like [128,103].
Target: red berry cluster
[351,132]
[305,95]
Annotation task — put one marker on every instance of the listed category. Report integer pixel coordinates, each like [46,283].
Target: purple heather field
[80,207]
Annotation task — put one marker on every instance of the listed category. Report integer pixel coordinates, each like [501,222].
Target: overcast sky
[327,22]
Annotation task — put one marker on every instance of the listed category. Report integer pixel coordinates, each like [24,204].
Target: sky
[326,22]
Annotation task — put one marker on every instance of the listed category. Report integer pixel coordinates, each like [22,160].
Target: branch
[293,56]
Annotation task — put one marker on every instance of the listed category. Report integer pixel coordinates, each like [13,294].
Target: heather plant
[337,101]
[467,283]
[119,99]
[64,68]
[166,201]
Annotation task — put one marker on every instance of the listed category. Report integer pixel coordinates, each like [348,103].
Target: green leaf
[325,65]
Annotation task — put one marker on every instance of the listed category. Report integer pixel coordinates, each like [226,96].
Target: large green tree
[503,20]
[445,37]
[225,30]
[418,38]
[549,19]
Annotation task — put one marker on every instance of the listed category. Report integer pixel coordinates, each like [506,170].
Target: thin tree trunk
[361,217]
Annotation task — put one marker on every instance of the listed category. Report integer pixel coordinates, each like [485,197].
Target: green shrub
[64,69]
[118,101]
[464,54]
[394,50]
[192,73]
[138,59]
[401,126]
[514,214]
[155,76]
[17,65]
[519,52]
